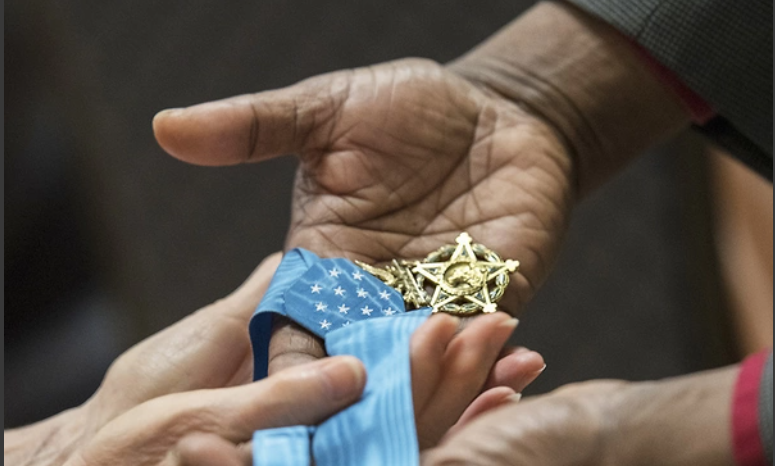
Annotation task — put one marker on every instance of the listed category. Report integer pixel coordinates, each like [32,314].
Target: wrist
[51,441]
[583,78]
[683,421]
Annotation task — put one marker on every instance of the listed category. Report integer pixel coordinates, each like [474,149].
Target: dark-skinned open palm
[395,161]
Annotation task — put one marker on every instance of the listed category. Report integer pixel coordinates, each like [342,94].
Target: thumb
[210,450]
[254,127]
[302,395]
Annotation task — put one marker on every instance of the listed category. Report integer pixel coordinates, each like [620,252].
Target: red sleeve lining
[697,107]
[746,439]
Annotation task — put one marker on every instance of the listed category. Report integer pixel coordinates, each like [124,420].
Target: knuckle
[199,420]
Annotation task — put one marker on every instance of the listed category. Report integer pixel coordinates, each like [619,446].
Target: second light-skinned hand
[684,421]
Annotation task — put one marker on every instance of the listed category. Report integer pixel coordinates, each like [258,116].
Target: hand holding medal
[356,314]
[396,160]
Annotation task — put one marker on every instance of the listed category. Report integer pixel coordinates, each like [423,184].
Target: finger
[291,345]
[242,302]
[467,363]
[487,401]
[304,395]
[517,368]
[444,456]
[211,450]
[207,349]
[566,427]
[254,127]
[427,347]
[487,441]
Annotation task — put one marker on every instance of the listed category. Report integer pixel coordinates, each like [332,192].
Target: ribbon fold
[357,315]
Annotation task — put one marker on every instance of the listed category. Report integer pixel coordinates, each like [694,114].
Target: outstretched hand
[183,396]
[683,421]
[395,161]
[456,376]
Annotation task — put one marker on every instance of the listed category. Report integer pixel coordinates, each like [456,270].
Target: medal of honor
[461,279]
[366,315]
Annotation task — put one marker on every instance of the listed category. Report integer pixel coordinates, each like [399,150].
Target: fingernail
[161,115]
[509,324]
[541,370]
[168,112]
[345,377]
[515,398]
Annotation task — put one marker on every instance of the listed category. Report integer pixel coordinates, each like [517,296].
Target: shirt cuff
[746,439]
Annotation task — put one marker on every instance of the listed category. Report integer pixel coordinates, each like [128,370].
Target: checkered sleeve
[720,49]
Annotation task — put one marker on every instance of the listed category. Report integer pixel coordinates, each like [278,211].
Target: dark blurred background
[107,239]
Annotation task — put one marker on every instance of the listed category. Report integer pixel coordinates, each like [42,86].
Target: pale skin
[397,159]
[184,396]
[603,423]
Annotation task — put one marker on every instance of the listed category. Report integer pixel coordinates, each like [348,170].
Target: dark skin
[395,161]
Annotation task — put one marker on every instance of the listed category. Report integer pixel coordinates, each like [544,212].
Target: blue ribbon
[281,447]
[357,315]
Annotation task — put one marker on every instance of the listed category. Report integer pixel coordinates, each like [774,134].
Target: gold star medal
[461,279]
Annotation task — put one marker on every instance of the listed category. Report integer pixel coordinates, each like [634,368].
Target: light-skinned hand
[684,421]
[168,398]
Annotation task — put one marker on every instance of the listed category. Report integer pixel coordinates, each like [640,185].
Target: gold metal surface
[461,279]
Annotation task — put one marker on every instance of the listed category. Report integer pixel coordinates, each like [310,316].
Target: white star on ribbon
[357,275]
[315,289]
[343,309]
[366,310]
[384,295]
[339,291]
[325,325]
[334,273]
[362,293]
[388,312]
[320,307]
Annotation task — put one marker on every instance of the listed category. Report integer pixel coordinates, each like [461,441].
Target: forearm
[679,422]
[585,79]
[47,442]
